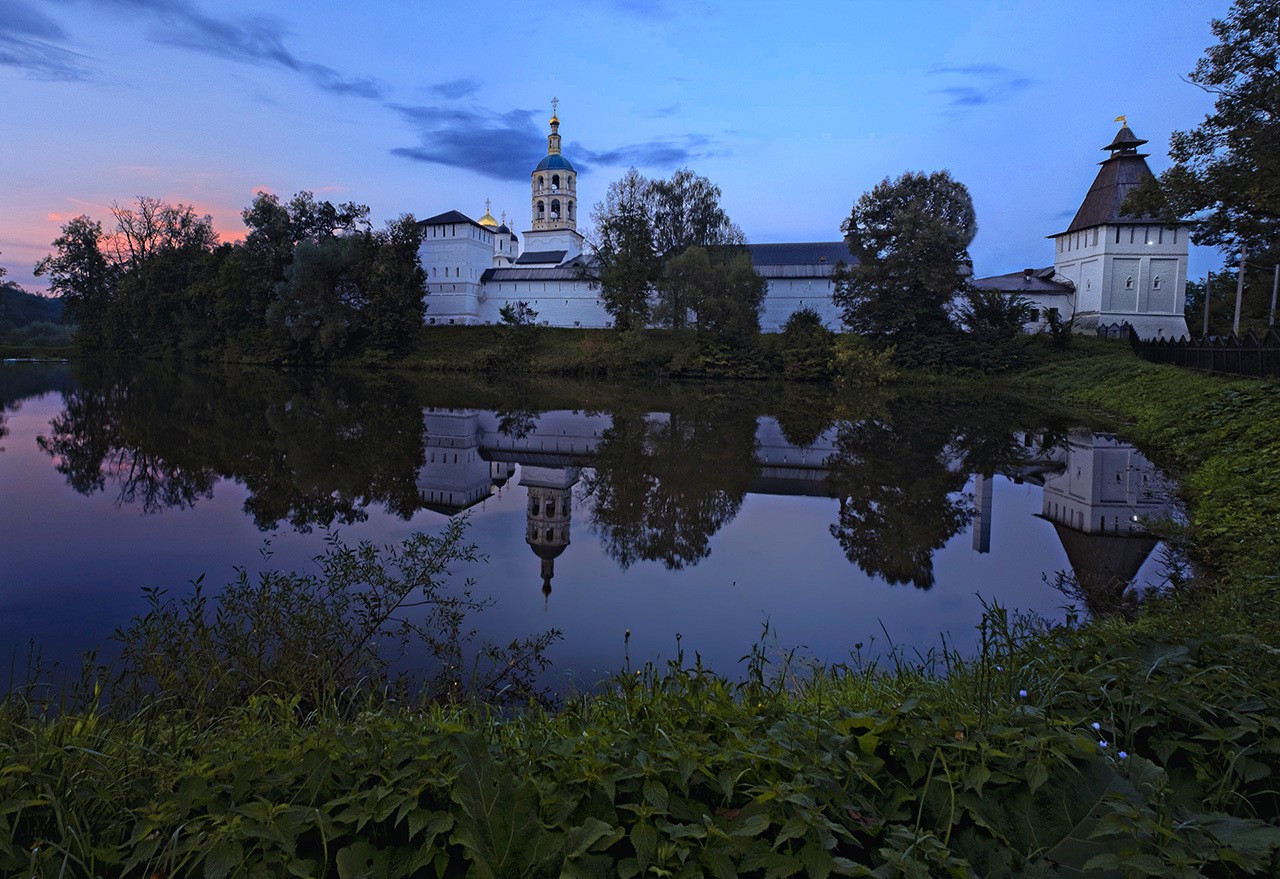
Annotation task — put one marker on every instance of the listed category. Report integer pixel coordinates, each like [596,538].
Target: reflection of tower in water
[550,506]
[1097,502]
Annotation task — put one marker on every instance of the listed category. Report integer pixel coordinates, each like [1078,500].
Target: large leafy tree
[1226,171]
[624,250]
[664,250]
[911,239]
[81,274]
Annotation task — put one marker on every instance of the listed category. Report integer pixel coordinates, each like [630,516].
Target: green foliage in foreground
[1051,753]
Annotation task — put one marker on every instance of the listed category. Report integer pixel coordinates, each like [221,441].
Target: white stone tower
[1124,268]
[554,201]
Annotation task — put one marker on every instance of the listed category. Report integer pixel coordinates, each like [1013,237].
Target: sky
[420,106]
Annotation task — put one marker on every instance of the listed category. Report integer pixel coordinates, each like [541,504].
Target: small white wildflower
[1022,694]
[1102,744]
[1123,755]
[1096,726]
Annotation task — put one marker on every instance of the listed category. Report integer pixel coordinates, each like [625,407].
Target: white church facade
[1110,267]
[475,267]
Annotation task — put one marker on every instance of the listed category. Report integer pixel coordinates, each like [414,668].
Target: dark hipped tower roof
[1121,173]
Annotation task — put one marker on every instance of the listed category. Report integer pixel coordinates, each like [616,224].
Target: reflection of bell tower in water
[550,506]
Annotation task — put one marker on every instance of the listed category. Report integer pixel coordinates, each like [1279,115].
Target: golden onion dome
[488,218]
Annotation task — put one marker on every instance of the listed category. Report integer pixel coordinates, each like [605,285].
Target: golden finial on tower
[1123,120]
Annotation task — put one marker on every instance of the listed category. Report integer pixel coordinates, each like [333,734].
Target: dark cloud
[505,145]
[981,84]
[25,35]
[456,88]
[20,18]
[654,153]
[256,40]
[667,111]
[495,144]
[41,60]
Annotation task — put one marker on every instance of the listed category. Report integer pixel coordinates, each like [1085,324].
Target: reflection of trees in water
[662,486]
[309,452]
[899,477]
[23,381]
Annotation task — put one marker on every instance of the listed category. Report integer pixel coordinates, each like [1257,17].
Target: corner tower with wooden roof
[1124,268]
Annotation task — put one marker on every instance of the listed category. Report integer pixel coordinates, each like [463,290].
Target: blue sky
[417,106]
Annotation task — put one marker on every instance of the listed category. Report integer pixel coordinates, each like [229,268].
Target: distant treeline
[312,281]
[30,320]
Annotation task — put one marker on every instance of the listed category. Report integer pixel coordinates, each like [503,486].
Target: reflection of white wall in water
[1106,486]
[468,454]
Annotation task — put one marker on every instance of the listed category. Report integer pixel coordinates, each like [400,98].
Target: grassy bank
[1109,748]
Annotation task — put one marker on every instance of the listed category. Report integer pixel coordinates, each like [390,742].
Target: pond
[690,516]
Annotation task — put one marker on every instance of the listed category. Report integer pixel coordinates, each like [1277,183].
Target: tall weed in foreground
[327,637]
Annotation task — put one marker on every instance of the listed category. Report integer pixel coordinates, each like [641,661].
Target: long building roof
[1025,281]
[801,253]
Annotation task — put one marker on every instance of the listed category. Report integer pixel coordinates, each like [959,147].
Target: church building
[475,267]
[1110,267]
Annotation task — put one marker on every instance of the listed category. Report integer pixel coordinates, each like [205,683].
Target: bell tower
[554,199]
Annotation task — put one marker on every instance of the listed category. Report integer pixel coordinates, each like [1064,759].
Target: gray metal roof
[573,270]
[448,217]
[801,253]
[1025,281]
[540,257]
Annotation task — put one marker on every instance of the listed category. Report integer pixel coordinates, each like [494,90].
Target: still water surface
[700,512]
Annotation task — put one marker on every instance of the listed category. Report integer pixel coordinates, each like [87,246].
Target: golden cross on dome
[486,205]
[555,102]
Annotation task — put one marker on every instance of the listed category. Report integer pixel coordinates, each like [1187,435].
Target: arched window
[1128,283]
[537,507]
[555,182]
[551,507]
[570,215]
[541,183]
[1155,284]
[555,209]
[542,210]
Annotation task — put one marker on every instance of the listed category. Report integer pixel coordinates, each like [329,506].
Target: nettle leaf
[224,857]
[583,838]
[360,860]
[430,823]
[655,794]
[753,825]
[644,838]
[1246,842]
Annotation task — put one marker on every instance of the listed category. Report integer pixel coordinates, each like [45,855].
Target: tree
[687,214]
[394,281]
[994,316]
[644,226]
[911,238]
[155,225]
[807,347]
[624,250]
[1226,171]
[81,274]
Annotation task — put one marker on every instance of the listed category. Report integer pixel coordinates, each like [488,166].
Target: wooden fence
[1239,355]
